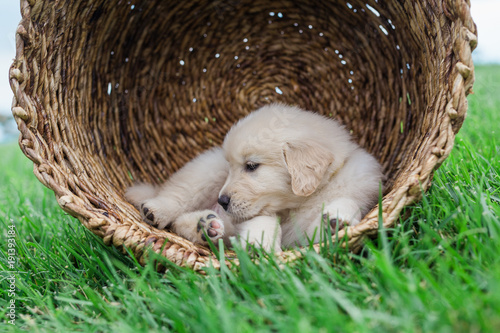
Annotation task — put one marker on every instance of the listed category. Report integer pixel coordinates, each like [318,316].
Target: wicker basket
[108,92]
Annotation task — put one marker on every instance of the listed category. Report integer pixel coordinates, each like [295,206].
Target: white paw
[154,217]
[342,211]
[262,232]
[209,225]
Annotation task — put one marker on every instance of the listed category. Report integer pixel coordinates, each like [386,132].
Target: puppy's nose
[224,201]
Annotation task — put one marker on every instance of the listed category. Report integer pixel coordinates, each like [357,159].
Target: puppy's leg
[200,225]
[138,195]
[194,187]
[141,192]
[356,189]
[261,231]
[342,211]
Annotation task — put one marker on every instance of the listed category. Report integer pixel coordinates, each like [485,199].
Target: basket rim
[185,253]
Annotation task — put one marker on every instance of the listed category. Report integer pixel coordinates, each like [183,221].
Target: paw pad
[210,226]
[148,216]
[333,223]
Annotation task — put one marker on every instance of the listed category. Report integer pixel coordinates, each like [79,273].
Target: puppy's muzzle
[224,201]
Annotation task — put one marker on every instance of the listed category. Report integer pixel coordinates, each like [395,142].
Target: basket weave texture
[110,92]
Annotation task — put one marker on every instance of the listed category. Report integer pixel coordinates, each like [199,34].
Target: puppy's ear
[307,165]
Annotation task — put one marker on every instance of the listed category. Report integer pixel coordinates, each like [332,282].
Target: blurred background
[484,12]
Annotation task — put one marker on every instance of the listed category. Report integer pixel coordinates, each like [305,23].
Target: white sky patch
[6,93]
[10,16]
[485,15]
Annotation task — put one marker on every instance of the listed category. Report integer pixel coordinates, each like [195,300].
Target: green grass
[438,270]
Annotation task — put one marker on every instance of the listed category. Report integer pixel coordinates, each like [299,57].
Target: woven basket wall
[108,92]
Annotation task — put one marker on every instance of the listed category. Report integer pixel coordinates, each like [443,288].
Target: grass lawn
[439,270]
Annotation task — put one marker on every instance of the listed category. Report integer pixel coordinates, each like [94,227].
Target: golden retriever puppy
[280,176]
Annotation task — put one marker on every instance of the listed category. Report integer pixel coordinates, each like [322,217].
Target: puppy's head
[275,162]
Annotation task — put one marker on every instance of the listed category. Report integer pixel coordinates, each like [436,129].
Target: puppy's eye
[251,166]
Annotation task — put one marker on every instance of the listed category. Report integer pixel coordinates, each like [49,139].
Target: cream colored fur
[305,166]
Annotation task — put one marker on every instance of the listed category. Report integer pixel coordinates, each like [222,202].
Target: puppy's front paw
[148,216]
[261,231]
[209,225]
[332,223]
[153,217]
[342,212]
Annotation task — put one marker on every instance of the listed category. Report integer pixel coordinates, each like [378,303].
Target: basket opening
[150,84]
